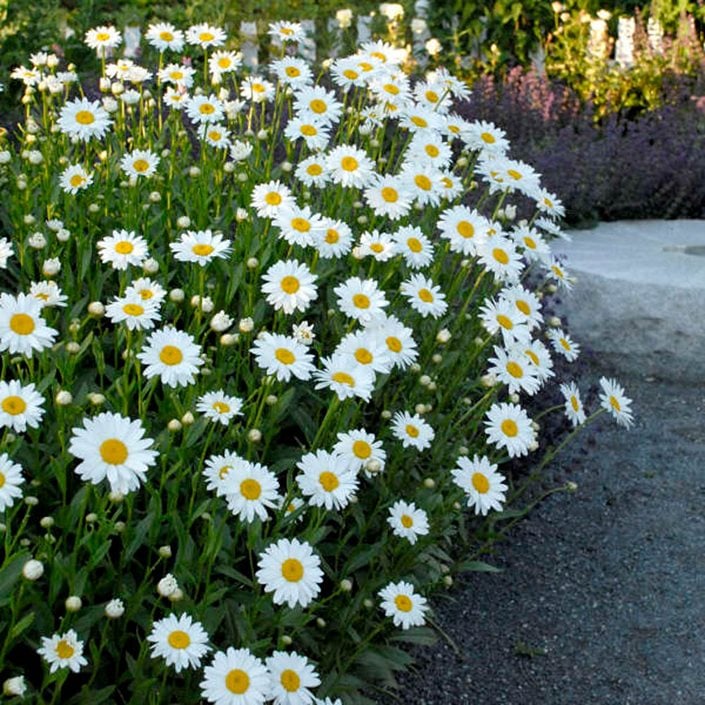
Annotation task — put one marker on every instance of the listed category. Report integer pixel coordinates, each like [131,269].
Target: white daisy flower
[163,36]
[205,109]
[63,651]
[403,605]
[412,430]
[503,317]
[201,246]
[485,137]
[83,119]
[508,426]
[313,171]
[282,356]
[291,678]
[326,479]
[286,31]
[10,480]
[250,488]
[315,134]
[483,486]
[574,410]
[500,256]
[526,303]
[345,377]
[397,337]
[103,38]
[303,332]
[407,521]
[350,166]
[289,286]
[387,196]
[559,274]
[6,251]
[429,147]
[48,294]
[540,358]
[424,296]
[113,447]
[133,311]
[317,102]
[179,640]
[613,400]
[423,183]
[172,355]
[549,203]
[375,244]
[532,242]
[257,89]
[336,239]
[292,571]
[361,299]
[268,198]
[219,406]
[139,163]
[563,344]
[178,74]
[20,406]
[299,226]
[175,98]
[416,118]
[75,178]
[464,228]
[205,35]
[22,329]
[146,289]
[221,62]
[366,349]
[292,71]
[513,368]
[216,470]
[358,448]
[122,248]
[235,677]
[414,246]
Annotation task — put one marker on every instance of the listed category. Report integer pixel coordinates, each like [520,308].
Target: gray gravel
[601,595]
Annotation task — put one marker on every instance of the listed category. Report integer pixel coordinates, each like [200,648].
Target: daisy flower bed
[267,341]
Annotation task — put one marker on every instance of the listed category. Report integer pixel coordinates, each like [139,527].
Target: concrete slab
[639,298]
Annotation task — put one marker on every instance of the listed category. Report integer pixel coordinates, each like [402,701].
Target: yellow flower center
[480,483]
[64,650]
[361,301]
[532,356]
[13,405]
[290,285]
[363,356]
[250,489]
[509,428]
[292,72]
[286,357]
[258,88]
[488,138]
[412,431]
[447,182]
[207,109]
[318,106]
[414,244]
[171,355]
[389,194]
[403,603]
[221,407]
[176,75]
[292,570]
[575,404]
[349,73]
[365,66]
[614,403]
[432,150]
[206,36]
[465,229]
[530,243]
[514,369]
[133,309]
[222,473]
[349,163]
[431,96]
[426,296]
[102,36]
[124,247]
[548,202]
[329,481]
[332,236]
[379,55]
[179,639]
[113,451]
[309,130]
[314,170]
[286,31]
[301,225]
[237,681]
[500,255]
[22,324]
[505,321]
[516,175]
[391,88]
[140,165]
[377,247]
[77,180]
[361,449]
[406,521]
[273,198]
[393,343]
[2,480]
[166,36]
[202,249]
[419,121]
[523,306]
[224,62]
[565,344]
[290,680]
[214,135]
[423,182]
[343,378]
[557,271]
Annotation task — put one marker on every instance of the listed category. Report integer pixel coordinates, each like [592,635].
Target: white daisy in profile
[336,239]
[6,251]
[512,367]
[397,337]
[251,489]
[172,355]
[401,602]
[205,35]
[614,401]
[367,349]
[349,166]
[508,426]
[179,640]
[268,198]
[345,377]
[112,447]
[205,109]
[292,571]
[22,328]
[407,521]
[163,36]
[10,480]
[133,311]
[48,294]
[424,296]
[75,178]
[122,248]
[63,651]
[361,299]
[200,246]
[326,479]
[387,196]
[358,448]
[483,486]
[317,102]
[556,271]
[83,119]
[289,286]
[563,344]
[464,229]
[412,430]
[291,678]
[235,677]
[103,38]
[219,406]
[415,247]
[20,406]
[139,163]
[282,356]
[574,409]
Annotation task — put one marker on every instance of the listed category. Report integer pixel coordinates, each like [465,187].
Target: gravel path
[601,598]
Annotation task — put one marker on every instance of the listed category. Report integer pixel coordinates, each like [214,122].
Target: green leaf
[11,572]
[477,567]
[22,625]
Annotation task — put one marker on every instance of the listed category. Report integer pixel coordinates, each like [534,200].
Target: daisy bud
[63,235]
[183,222]
[534,445]
[252,263]
[93,208]
[386,414]
[286,640]
[24,543]
[91,518]
[51,267]
[242,178]
[194,171]
[207,304]
[63,398]
[514,398]
[46,522]
[29,219]
[116,497]
[228,167]
[95,308]
[374,143]
[429,483]
[536,426]
[358,204]
[21,184]
[365,130]
[32,569]
[150,266]
[432,387]
[362,219]
[34,156]
[488,381]
[420,408]
[220,322]
[110,104]
[177,295]
[443,336]
[467,400]
[10,437]
[415,368]
[73,347]
[436,358]
[155,197]
[429,408]
[174,425]
[448,580]
[286,167]
[165,551]
[571,486]
[37,241]
[228,339]
[262,135]
[368,603]
[187,419]
[320,622]
[554,322]
[456,505]
[177,595]
[346,585]
[14,686]
[246,325]
[3,528]
[241,214]
[463,450]
[254,435]
[206,516]
[167,585]
[73,603]
[373,466]
[114,609]
[96,398]
[462,162]
[5,157]
[551,288]
[119,527]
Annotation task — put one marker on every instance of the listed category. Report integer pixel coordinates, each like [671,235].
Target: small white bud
[73,603]
[254,435]
[165,551]
[96,308]
[287,640]
[429,483]
[46,522]
[114,609]
[187,419]
[167,585]
[32,569]
[228,339]
[252,263]
[176,295]
[246,325]
[63,398]
[183,222]
[174,425]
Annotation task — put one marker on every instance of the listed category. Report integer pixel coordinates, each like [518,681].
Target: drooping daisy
[508,426]
[613,400]
[361,299]
[291,678]
[317,102]
[574,410]
[122,248]
[407,521]
[292,571]
[268,198]
[289,286]
[179,640]
[345,377]
[205,109]
[414,246]
[358,448]
[401,602]
[563,344]
[366,349]
[559,274]
[201,246]
[113,447]
[250,489]
[163,36]
[349,166]
[172,355]
[299,226]
[235,677]
[283,356]
[139,163]
[513,368]
[83,119]
[387,196]
[63,651]
[483,486]
[103,38]
[424,296]
[48,294]
[397,337]
[10,480]
[75,178]
[336,239]
[20,406]
[22,329]
[326,479]
[412,430]
[205,35]
[219,406]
